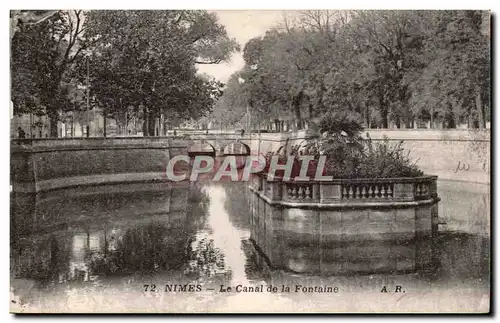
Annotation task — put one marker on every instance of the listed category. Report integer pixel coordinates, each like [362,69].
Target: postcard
[250,161]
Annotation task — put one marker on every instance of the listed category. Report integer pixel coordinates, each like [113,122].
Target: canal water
[149,248]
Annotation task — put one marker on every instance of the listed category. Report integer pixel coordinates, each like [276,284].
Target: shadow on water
[195,234]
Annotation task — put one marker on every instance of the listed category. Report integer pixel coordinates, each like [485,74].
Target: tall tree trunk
[455,112]
[405,107]
[366,115]
[456,119]
[479,107]
[151,124]
[54,108]
[297,100]
[408,122]
[53,114]
[104,123]
[53,126]
[310,114]
[384,112]
[145,122]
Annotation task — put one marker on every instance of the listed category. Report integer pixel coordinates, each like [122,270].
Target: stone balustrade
[346,192]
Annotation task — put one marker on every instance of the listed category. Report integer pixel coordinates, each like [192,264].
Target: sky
[242,25]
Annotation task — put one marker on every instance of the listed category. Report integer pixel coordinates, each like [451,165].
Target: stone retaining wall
[45,164]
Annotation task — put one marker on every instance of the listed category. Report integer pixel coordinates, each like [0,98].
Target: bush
[384,160]
[356,160]
[336,122]
[348,154]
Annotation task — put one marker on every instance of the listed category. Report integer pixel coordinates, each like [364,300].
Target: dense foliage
[138,63]
[390,67]
[348,155]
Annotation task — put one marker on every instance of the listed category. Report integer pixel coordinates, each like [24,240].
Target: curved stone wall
[39,165]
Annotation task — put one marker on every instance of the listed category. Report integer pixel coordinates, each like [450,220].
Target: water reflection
[101,248]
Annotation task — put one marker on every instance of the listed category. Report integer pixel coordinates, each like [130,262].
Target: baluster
[384,188]
[289,191]
[390,190]
[425,189]
[308,192]
[297,192]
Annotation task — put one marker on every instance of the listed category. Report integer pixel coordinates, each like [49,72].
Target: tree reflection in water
[114,246]
[150,248]
[206,262]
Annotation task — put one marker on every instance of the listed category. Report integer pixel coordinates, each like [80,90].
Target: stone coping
[88,180]
[345,205]
[419,179]
[348,193]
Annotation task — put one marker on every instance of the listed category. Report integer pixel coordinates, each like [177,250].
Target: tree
[147,59]
[456,79]
[41,56]
[27,17]
[292,62]
[231,107]
[387,66]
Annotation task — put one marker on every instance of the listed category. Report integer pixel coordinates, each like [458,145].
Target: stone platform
[345,226]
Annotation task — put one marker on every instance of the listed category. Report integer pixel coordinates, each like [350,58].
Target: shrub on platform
[348,155]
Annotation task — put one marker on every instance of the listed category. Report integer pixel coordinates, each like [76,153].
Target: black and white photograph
[250,161]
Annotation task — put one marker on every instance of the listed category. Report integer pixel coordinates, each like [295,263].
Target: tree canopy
[135,61]
[389,67]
